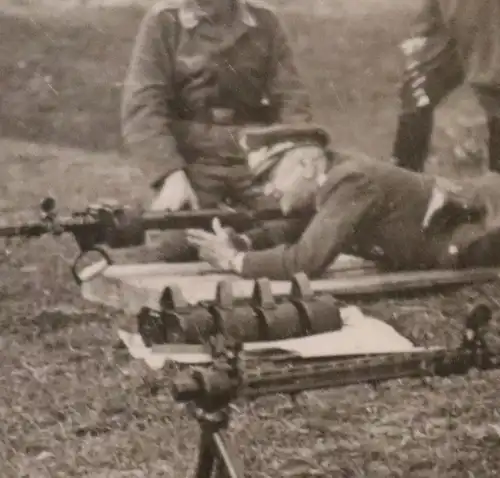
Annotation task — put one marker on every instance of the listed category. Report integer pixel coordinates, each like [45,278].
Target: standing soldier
[452,42]
[201,70]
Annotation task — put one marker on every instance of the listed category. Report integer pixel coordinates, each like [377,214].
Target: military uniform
[451,42]
[398,218]
[191,85]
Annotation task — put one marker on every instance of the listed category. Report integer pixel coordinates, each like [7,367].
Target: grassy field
[72,404]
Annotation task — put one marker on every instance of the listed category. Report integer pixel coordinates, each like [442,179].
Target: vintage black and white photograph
[249,238]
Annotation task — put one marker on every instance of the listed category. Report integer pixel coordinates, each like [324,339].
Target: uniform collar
[190,14]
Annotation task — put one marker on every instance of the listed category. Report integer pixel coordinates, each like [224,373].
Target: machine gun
[211,390]
[117,227]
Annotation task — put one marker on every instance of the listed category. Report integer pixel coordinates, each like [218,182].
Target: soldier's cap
[265,146]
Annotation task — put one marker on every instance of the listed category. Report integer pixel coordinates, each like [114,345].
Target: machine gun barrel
[304,377]
[112,226]
[321,374]
[101,221]
[32,229]
[203,219]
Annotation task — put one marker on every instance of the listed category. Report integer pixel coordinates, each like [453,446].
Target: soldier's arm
[285,84]
[327,235]
[277,232]
[147,95]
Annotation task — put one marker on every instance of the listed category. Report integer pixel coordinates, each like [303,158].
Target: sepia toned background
[74,405]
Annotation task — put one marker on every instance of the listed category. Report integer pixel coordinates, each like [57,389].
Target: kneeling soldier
[355,205]
[199,72]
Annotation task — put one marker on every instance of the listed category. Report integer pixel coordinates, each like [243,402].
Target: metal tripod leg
[216,459]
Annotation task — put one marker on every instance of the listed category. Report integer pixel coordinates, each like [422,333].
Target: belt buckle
[222,115]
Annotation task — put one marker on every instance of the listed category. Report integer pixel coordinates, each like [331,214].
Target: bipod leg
[206,455]
[216,458]
[218,387]
[227,464]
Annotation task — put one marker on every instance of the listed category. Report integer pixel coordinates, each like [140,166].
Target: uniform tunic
[376,211]
[192,84]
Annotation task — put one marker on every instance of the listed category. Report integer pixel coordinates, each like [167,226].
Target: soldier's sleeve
[285,84]
[277,232]
[327,235]
[147,94]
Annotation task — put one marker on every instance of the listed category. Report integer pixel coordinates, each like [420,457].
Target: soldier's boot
[413,138]
[494,143]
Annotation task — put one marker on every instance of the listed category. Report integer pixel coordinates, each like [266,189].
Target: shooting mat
[360,335]
[130,287]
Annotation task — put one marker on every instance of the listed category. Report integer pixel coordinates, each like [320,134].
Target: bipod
[217,387]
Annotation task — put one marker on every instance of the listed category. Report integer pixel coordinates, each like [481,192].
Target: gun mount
[211,390]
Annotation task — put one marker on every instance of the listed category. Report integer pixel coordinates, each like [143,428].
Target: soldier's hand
[214,247]
[175,194]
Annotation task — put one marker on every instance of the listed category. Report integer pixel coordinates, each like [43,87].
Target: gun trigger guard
[95,269]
